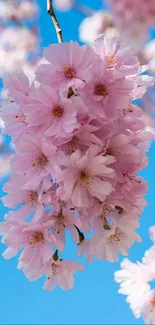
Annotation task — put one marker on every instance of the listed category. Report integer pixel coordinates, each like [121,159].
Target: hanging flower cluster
[130,21]
[80,142]
[134,281]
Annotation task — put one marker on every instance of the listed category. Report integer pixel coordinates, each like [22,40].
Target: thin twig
[55,21]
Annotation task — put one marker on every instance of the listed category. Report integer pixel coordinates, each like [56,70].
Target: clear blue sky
[94,299]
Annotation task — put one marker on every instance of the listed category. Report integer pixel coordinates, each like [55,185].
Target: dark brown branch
[55,21]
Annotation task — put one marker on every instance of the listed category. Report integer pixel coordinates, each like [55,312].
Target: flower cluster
[19,34]
[134,18]
[11,10]
[80,142]
[130,21]
[19,46]
[134,281]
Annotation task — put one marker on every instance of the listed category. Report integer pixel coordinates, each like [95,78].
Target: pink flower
[121,60]
[85,176]
[103,214]
[34,158]
[68,70]
[18,86]
[141,84]
[104,95]
[117,239]
[121,148]
[14,119]
[30,196]
[59,222]
[56,116]
[33,239]
[60,273]
[79,139]
[57,271]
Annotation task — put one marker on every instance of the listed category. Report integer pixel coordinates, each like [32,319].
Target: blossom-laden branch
[55,21]
[79,131]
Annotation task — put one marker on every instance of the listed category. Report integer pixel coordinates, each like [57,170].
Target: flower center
[106,216]
[100,90]
[107,211]
[20,118]
[58,225]
[69,71]
[73,144]
[111,61]
[31,198]
[36,239]
[84,177]
[58,111]
[131,178]
[40,161]
[116,238]
[55,269]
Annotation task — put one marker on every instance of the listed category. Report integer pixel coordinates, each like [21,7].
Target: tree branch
[55,21]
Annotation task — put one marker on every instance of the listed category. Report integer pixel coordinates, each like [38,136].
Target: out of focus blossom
[13,38]
[149,54]
[136,282]
[133,18]
[19,47]
[14,60]
[95,25]
[63,5]
[17,10]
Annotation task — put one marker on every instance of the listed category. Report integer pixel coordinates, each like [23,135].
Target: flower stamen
[100,90]
[36,239]
[40,161]
[69,71]
[57,111]
[116,238]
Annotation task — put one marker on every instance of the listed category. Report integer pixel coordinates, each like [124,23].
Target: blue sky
[94,299]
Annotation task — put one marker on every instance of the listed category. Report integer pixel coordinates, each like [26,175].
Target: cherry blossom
[19,46]
[94,25]
[135,282]
[63,5]
[79,141]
